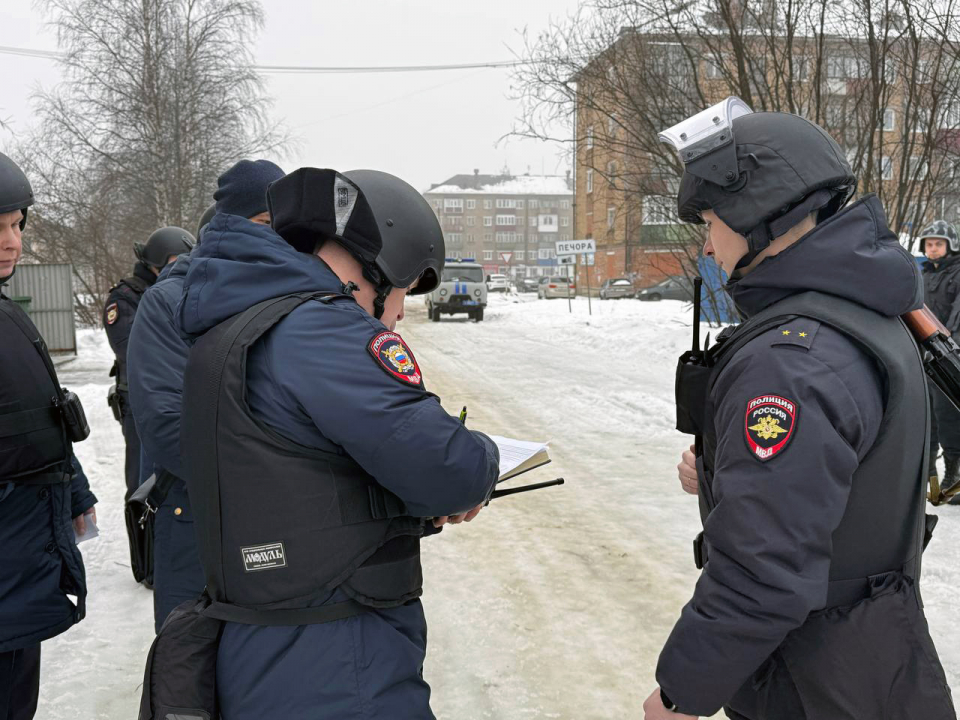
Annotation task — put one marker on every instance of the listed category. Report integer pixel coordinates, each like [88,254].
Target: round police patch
[393,355]
[769,425]
[112,313]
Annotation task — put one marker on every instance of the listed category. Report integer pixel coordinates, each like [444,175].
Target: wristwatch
[667,702]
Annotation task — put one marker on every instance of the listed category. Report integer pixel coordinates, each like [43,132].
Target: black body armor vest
[883,527]
[33,440]
[280,526]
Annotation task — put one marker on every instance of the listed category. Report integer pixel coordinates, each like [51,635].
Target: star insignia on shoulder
[803,334]
[786,332]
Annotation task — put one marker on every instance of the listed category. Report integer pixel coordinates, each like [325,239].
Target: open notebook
[519,456]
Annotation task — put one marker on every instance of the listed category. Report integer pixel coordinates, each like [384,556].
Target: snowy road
[549,605]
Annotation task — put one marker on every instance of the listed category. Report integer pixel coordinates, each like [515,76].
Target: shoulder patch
[393,355]
[769,425]
[111,313]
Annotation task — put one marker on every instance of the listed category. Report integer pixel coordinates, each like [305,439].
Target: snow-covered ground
[552,604]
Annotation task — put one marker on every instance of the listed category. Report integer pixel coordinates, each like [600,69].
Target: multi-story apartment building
[509,223]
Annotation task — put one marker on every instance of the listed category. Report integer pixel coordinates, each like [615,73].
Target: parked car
[497,283]
[617,288]
[556,287]
[526,284]
[677,287]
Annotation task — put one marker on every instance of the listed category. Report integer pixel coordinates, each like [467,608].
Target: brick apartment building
[509,223]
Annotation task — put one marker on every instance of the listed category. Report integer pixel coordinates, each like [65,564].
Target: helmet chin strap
[382,288]
[762,235]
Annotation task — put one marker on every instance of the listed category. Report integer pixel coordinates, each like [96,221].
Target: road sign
[576,247]
[506,256]
[587,259]
[567,260]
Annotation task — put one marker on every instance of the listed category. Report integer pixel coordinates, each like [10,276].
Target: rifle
[941,361]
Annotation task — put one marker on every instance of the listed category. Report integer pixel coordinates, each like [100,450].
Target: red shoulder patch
[770,422]
[111,313]
[393,355]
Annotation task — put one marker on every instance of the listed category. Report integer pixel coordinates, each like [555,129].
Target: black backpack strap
[288,616]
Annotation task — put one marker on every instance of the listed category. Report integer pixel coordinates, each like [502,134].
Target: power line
[311,69]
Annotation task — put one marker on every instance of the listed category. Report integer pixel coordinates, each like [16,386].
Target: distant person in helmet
[810,420]
[157,358]
[162,247]
[941,281]
[42,486]
[328,456]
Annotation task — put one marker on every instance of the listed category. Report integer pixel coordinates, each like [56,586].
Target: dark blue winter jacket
[156,359]
[41,560]
[313,380]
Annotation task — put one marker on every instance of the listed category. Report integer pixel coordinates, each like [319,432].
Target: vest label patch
[769,425]
[264,557]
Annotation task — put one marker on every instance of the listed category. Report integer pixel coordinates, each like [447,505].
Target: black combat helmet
[761,173]
[205,220]
[162,244]
[380,219]
[943,230]
[15,190]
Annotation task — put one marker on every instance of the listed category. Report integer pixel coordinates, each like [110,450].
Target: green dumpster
[23,302]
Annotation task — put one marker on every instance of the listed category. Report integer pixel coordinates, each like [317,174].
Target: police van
[462,290]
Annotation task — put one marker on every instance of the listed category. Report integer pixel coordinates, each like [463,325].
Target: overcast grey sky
[423,127]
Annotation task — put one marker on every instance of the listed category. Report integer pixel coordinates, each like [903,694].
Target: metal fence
[50,290]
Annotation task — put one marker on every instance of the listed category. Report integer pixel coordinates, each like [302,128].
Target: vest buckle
[699,551]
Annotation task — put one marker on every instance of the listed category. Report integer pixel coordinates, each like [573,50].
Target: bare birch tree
[159,97]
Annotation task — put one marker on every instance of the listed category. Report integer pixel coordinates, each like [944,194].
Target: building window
[548,221]
[469,239]
[544,253]
[918,168]
[589,181]
[455,238]
[611,217]
[659,210]
[564,204]
[564,222]
[589,137]
[453,205]
[488,237]
[519,254]
[611,169]
[534,238]
[714,70]
[471,204]
[488,221]
[437,204]
[488,254]
[518,204]
[471,220]
[564,238]
[886,168]
[889,120]
[612,124]
[506,219]
[453,221]
[487,204]
[532,221]
[505,204]
[534,204]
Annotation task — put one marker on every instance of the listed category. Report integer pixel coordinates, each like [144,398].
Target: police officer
[810,460]
[161,248]
[41,484]
[941,280]
[313,467]
[156,358]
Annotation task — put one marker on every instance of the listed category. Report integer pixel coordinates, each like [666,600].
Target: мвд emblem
[393,355]
[769,425]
